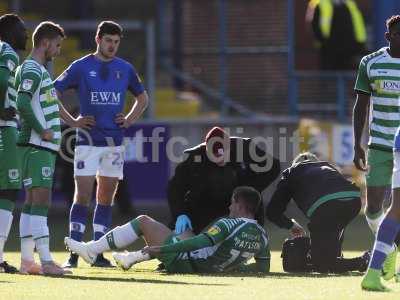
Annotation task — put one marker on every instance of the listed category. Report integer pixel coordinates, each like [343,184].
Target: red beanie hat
[218,135]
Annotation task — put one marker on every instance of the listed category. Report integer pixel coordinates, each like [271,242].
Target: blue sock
[384,242]
[77,221]
[101,220]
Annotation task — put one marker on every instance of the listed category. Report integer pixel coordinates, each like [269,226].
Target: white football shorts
[103,161]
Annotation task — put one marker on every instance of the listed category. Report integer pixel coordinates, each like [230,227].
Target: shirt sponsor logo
[104,98]
[392,86]
[27,84]
[10,65]
[92,73]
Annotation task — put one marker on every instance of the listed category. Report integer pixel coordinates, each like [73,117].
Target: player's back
[242,239]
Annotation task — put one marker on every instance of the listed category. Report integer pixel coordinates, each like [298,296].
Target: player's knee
[10,195]
[375,199]
[82,197]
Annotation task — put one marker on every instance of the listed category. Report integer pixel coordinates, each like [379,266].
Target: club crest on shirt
[46,171]
[118,74]
[13,174]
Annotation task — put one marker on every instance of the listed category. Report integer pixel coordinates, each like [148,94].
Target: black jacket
[202,190]
[306,183]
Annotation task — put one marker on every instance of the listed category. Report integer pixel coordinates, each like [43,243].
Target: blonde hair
[303,157]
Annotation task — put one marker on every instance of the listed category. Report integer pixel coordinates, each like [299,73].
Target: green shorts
[37,167]
[380,168]
[172,261]
[10,170]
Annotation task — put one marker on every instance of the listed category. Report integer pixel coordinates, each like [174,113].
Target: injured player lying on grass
[225,246]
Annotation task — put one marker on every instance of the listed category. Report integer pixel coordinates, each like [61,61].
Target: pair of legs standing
[383,262]
[10,184]
[37,173]
[106,189]
[91,163]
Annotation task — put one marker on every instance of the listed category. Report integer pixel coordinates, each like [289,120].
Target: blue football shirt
[101,88]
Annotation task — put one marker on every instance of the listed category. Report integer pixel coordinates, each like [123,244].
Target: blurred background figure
[339,31]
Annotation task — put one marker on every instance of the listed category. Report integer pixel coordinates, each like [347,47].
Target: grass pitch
[142,282]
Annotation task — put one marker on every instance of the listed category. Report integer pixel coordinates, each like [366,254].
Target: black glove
[8,113]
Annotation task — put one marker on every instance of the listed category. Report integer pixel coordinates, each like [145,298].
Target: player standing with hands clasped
[101,80]
[38,143]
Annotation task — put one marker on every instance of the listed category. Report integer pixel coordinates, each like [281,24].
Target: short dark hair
[249,196]
[7,25]
[108,27]
[393,20]
[47,30]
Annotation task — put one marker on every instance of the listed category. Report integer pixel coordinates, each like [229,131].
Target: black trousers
[327,225]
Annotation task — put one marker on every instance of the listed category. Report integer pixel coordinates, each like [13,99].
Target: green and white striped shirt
[379,76]
[9,59]
[33,78]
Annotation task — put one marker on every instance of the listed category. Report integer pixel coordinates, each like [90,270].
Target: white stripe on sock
[99,228]
[383,247]
[75,226]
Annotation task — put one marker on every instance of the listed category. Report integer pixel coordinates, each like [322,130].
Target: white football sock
[6,218]
[119,237]
[40,233]
[25,233]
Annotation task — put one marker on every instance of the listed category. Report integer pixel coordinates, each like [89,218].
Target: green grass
[142,282]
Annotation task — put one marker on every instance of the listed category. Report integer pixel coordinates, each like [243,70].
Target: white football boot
[82,249]
[126,259]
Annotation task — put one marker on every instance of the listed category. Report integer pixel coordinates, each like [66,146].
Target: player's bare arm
[85,122]
[136,111]
[359,116]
